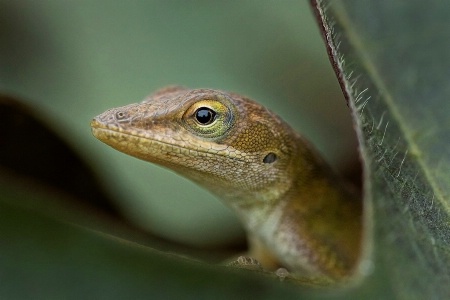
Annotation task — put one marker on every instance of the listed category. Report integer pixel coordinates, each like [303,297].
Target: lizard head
[227,143]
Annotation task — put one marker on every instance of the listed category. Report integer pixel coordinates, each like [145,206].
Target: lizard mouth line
[98,127]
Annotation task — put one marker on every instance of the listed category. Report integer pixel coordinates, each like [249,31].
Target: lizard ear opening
[270,158]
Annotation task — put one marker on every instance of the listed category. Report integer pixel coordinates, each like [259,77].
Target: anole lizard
[296,211]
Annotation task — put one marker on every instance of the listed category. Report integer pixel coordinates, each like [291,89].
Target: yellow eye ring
[209,118]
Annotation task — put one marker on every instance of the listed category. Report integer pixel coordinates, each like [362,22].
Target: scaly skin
[297,213]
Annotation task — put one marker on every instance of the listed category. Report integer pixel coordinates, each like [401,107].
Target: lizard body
[296,211]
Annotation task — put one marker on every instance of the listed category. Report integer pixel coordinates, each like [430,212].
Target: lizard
[298,214]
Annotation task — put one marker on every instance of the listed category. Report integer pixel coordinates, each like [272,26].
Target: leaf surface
[393,65]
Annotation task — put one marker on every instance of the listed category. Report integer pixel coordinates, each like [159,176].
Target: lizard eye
[205,115]
[209,118]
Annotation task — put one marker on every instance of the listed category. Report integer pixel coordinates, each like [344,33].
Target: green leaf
[392,60]
[31,149]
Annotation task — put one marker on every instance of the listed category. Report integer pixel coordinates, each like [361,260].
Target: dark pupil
[205,115]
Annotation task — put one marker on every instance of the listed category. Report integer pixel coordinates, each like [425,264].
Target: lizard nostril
[120,115]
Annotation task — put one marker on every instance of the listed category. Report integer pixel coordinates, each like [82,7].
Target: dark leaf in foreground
[31,150]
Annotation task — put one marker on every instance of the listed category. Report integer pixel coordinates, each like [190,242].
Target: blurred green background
[71,60]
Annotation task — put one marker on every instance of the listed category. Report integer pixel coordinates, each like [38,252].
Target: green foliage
[392,61]
[393,65]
